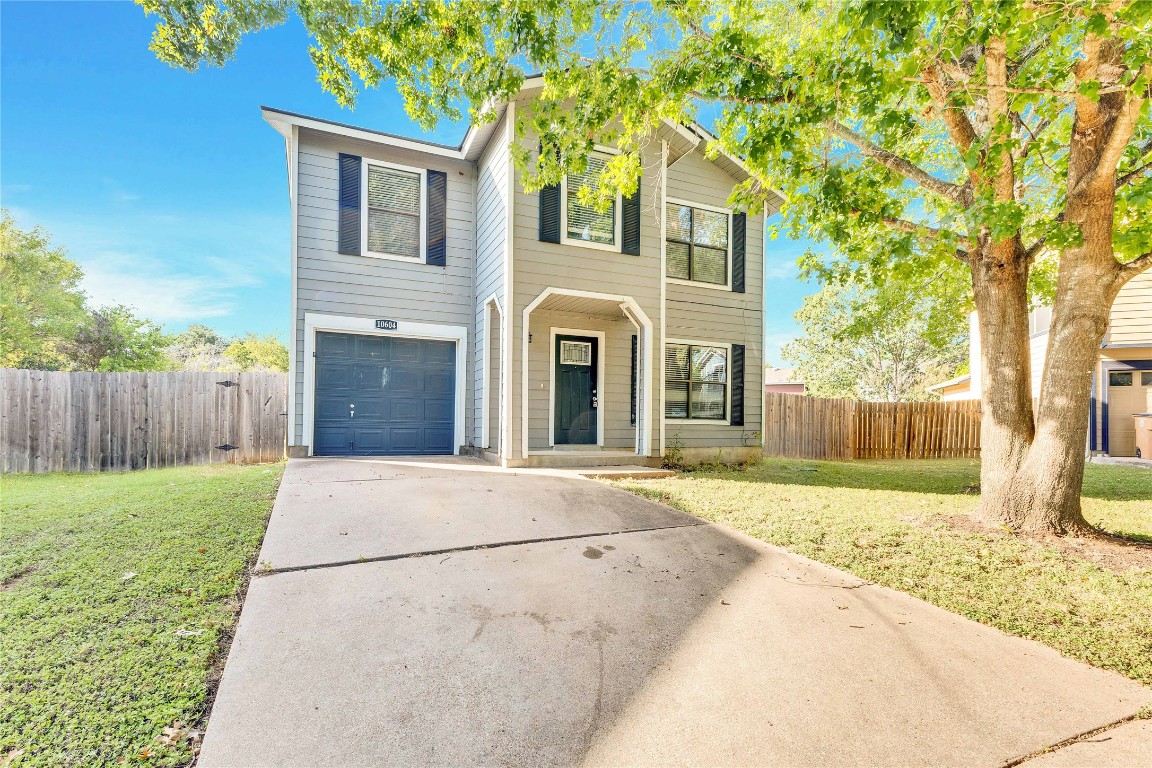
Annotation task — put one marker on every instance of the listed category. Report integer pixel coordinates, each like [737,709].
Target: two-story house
[1121,382]
[438,308]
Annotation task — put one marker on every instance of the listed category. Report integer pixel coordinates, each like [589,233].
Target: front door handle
[595,400]
[352,410]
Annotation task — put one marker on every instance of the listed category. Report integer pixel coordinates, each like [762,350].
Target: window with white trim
[695,382]
[393,211]
[697,244]
[584,222]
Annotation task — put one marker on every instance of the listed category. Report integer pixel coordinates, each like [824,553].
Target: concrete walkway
[447,612]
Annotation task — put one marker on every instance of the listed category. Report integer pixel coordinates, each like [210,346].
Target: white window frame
[727,286]
[422,227]
[315,322]
[727,420]
[616,245]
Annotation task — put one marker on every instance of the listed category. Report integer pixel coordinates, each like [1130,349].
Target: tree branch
[892,161]
[1130,269]
[955,118]
[923,231]
[1134,174]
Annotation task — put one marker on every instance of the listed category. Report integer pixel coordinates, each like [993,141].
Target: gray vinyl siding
[328,282]
[614,385]
[713,315]
[538,266]
[491,235]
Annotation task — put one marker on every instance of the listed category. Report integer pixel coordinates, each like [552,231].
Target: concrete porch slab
[685,646]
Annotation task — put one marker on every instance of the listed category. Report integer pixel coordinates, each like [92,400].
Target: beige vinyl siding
[539,266]
[614,385]
[1132,312]
[712,314]
[491,233]
[360,286]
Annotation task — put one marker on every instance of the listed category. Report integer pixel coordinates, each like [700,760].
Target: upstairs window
[695,382]
[583,224]
[393,212]
[697,244]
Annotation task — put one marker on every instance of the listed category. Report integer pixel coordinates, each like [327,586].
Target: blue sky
[167,187]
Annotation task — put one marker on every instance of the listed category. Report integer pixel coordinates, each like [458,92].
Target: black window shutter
[737,369]
[739,233]
[550,214]
[630,224]
[635,360]
[437,224]
[349,240]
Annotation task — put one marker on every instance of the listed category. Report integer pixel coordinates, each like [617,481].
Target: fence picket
[91,422]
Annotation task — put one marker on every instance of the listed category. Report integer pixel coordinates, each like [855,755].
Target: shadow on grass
[935,476]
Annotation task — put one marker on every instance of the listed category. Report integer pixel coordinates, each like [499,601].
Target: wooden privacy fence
[92,422]
[824,428]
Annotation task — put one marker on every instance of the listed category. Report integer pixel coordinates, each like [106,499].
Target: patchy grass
[118,590]
[895,523]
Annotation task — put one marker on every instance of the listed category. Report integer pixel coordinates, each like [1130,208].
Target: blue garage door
[381,395]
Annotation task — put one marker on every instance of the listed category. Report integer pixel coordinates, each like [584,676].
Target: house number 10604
[386,325]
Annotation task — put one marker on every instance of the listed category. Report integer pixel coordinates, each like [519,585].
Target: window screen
[585,222]
[393,212]
[695,382]
[697,244]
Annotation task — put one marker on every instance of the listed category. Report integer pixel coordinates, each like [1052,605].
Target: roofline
[696,133]
[950,383]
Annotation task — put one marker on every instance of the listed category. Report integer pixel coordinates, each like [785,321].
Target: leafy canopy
[851,109]
[40,298]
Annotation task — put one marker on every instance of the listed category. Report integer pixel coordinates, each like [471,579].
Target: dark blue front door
[576,399]
[383,395]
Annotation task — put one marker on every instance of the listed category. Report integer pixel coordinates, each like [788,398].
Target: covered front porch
[586,390]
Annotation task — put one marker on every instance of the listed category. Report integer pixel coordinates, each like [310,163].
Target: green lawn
[117,592]
[893,523]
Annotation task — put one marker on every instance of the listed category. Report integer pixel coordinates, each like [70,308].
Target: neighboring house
[1121,382]
[783,380]
[439,308]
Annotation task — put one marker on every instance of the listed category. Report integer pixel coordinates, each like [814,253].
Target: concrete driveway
[446,612]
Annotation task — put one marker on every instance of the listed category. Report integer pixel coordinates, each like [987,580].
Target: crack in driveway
[272,571]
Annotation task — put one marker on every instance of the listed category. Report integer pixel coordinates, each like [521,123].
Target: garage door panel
[405,379]
[371,348]
[406,409]
[439,382]
[405,350]
[1123,401]
[333,376]
[439,411]
[335,345]
[331,440]
[403,391]
[371,440]
[438,439]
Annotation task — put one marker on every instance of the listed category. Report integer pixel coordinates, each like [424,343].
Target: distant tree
[41,304]
[115,339]
[199,348]
[875,344]
[259,353]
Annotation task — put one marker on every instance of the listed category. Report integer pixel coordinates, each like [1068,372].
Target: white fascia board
[276,118]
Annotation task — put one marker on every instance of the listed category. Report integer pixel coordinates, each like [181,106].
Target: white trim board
[314,321]
[486,374]
[601,379]
[292,149]
[526,319]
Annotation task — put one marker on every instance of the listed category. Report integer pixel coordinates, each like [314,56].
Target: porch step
[585,459]
[623,473]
